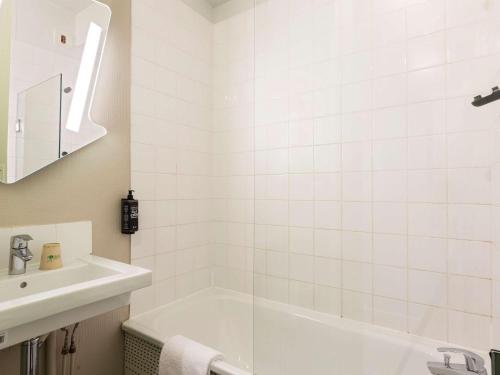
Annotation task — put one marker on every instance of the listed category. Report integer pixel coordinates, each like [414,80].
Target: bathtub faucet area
[474,364]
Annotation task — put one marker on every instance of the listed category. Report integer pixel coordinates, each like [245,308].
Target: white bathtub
[288,340]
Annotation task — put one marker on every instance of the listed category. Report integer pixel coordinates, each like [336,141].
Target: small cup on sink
[51,257]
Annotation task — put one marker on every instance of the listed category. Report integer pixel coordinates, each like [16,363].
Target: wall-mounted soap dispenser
[130,214]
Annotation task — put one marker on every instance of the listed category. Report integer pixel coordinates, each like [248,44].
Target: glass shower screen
[373,177]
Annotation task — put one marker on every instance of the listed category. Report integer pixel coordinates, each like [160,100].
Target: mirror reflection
[50,51]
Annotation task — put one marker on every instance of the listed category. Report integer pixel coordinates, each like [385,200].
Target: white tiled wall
[375,179]
[75,239]
[355,178]
[171,135]
[233,153]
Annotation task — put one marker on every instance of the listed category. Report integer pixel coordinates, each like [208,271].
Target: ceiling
[215,3]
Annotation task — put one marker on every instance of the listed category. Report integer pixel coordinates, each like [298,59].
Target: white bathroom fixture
[38,302]
[305,341]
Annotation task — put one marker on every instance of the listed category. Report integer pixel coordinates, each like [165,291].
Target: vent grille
[141,356]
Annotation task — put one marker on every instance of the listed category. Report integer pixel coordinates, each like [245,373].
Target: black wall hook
[479,100]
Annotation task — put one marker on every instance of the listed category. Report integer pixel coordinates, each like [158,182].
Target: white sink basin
[39,302]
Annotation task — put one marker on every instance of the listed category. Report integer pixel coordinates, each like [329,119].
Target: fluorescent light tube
[84,80]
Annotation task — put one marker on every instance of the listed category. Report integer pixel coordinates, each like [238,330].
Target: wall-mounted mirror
[50,51]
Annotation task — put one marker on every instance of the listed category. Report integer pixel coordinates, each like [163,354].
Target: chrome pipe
[29,356]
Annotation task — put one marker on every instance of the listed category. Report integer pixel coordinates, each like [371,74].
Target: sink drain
[23,285]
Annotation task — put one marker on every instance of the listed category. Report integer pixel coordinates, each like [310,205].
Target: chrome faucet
[474,364]
[19,254]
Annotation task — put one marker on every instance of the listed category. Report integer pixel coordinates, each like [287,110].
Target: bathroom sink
[39,302]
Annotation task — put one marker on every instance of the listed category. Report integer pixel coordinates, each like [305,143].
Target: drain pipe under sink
[72,350]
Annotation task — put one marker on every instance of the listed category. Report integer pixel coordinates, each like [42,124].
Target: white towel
[182,356]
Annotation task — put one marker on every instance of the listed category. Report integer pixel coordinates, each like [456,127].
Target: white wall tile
[357,306]
[301,187]
[357,156]
[390,27]
[327,243]
[327,215]
[427,152]
[390,313]
[327,186]
[143,244]
[390,250]
[390,282]
[427,219]
[356,127]
[426,51]
[356,216]
[327,272]
[468,11]
[356,186]
[327,158]
[301,240]
[390,154]
[390,123]
[390,186]
[356,97]
[357,276]
[469,149]
[301,159]
[428,288]
[302,268]
[469,329]
[470,258]
[277,264]
[327,130]
[357,246]
[390,59]
[428,254]
[390,91]
[302,294]
[427,186]
[301,213]
[460,288]
[427,84]
[427,118]
[469,222]
[426,17]
[327,300]
[427,321]
[390,218]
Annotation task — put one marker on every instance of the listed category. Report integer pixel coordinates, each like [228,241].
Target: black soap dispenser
[130,214]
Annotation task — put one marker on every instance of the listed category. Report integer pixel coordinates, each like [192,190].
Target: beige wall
[88,185]
[5,26]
